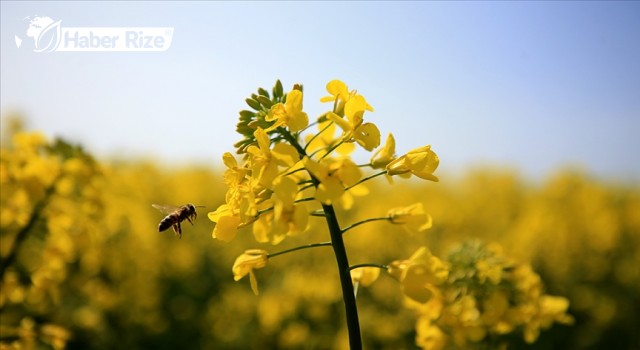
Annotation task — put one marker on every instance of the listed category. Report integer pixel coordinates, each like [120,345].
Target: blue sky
[531,86]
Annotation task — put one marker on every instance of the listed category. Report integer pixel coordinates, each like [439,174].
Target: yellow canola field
[83,265]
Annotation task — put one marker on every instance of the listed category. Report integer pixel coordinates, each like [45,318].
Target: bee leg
[179,230]
[190,221]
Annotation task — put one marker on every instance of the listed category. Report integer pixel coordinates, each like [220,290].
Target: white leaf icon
[18,41]
[49,38]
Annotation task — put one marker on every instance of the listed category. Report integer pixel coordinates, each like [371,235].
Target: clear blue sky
[532,86]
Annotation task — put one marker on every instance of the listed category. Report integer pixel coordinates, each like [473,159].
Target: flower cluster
[283,173]
[48,204]
[475,298]
[472,299]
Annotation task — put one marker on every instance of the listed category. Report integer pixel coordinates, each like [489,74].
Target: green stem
[292,140]
[307,246]
[366,179]
[348,296]
[333,148]
[381,267]
[316,135]
[363,222]
[339,250]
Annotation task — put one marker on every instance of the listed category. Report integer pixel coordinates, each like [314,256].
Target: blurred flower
[245,264]
[413,217]
[420,274]
[365,276]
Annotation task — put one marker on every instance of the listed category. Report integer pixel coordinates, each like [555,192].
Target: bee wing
[165,209]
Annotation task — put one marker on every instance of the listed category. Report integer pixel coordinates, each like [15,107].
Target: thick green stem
[353,323]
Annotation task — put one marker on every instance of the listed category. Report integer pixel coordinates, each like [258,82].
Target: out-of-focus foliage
[90,270]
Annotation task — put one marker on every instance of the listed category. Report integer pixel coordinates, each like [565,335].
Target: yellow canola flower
[333,177]
[245,264]
[234,174]
[265,161]
[227,223]
[289,114]
[420,274]
[340,93]
[366,135]
[413,217]
[286,217]
[283,220]
[421,162]
[385,154]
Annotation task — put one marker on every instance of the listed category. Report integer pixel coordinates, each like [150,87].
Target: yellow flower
[413,217]
[421,162]
[385,154]
[429,335]
[366,135]
[341,95]
[275,225]
[265,161]
[420,274]
[226,223]
[245,264]
[234,174]
[289,114]
[334,176]
[338,91]
[285,217]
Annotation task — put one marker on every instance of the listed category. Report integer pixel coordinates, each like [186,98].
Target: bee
[176,215]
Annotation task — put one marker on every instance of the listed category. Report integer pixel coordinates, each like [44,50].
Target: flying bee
[176,215]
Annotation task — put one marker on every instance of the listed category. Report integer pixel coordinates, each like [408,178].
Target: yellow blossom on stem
[226,223]
[283,220]
[413,217]
[234,174]
[245,264]
[265,161]
[366,135]
[420,274]
[340,94]
[289,114]
[421,162]
[333,176]
[385,154]
[338,91]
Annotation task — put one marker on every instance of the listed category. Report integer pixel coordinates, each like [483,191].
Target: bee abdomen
[167,222]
